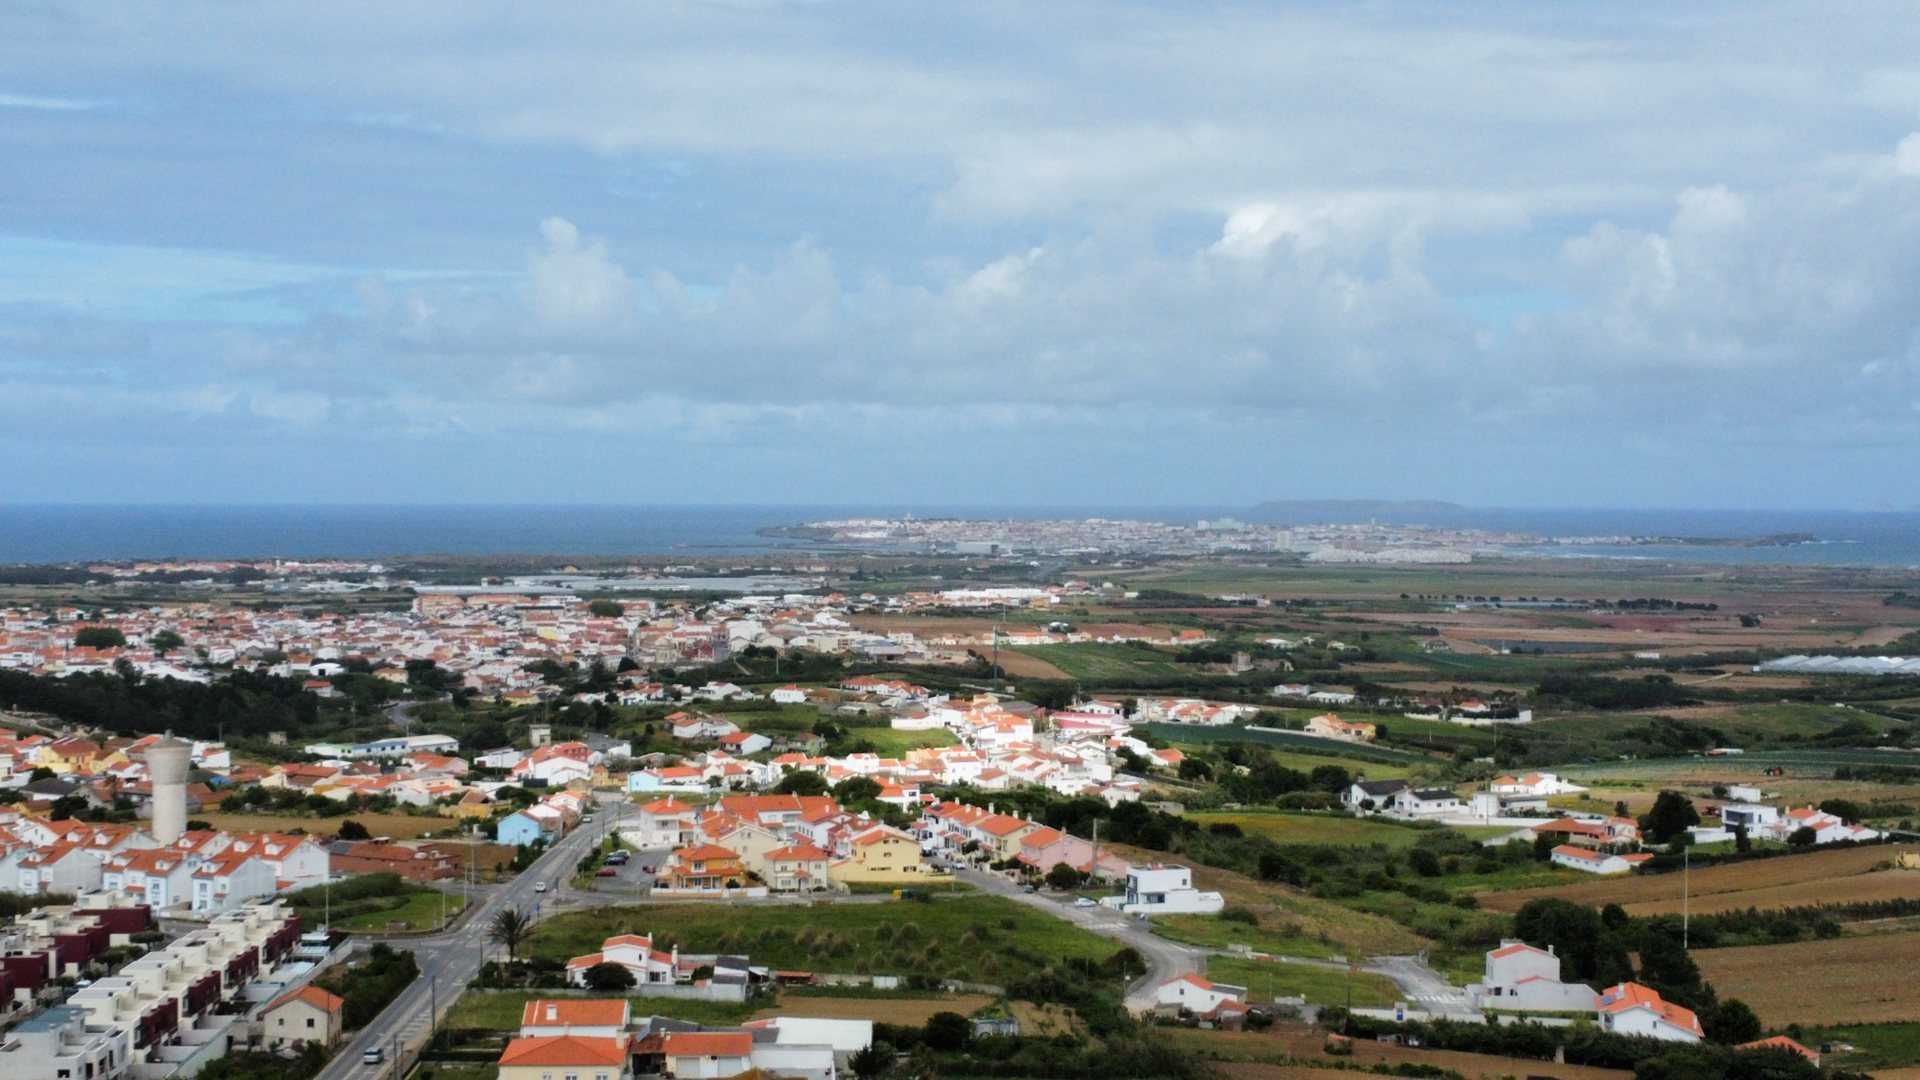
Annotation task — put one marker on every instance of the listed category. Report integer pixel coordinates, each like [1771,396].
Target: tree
[1740,840]
[607,609]
[165,641]
[1804,836]
[1063,877]
[1571,930]
[99,637]
[801,782]
[856,789]
[948,1032]
[1731,1023]
[1845,809]
[871,1061]
[1424,862]
[509,929]
[1330,778]
[353,830]
[1672,814]
[608,977]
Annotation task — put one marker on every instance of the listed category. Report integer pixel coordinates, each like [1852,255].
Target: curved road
[1165,959]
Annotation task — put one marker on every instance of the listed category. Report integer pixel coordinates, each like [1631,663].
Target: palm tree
[509,929]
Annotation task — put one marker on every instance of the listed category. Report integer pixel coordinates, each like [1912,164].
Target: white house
[1157,889]
[1371,796]
[844,1037]
[1534,784]
[1412,803]
[667,823]
[707,1055]
[1632,1009]
[593,1018]
[1195,994]
[1597,862]
[790,695]
[745,742]
[504,758]
[1521,978]
[230,879]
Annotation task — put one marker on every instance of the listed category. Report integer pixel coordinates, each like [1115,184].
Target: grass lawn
[398,826]
[1285,828]
[890,743]
[442,1070]
[421,912]
[1217,933]
[502,1011]
[1877,1046]
[974,938]
[1266,980]
[1096,662]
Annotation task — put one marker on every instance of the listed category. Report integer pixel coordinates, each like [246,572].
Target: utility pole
[1686,892]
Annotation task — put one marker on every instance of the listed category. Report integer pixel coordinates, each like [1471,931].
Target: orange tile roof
[592,1012]
[708,1044]
[565,1050]
[313,996]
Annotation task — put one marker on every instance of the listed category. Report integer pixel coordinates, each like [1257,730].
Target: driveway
[1165,959]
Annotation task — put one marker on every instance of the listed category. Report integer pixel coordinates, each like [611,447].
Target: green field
[502,1011]
[1877,1046]
[1266,980]
[1215,933]
[1100,663]
[1290,740]
[421,912]
[1285,828]
[890,743]
[974,938]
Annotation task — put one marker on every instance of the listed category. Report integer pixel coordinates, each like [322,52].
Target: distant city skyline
[854,254]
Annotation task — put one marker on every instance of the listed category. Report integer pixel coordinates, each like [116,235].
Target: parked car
[606,871]
[646,868]
[1028,889]
[1084,902]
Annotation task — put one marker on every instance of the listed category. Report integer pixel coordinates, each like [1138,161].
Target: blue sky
[989,253]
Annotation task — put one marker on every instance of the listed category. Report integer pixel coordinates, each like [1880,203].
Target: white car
[539,886]
[1084,902]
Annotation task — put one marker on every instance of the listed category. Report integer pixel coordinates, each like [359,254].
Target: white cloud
[293,408]
[1906,156]
[575,285]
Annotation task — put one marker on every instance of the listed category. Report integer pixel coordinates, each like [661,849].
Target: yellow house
[886,855]
[77,755]
[474,806]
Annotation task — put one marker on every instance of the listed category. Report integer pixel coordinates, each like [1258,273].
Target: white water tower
[167,765]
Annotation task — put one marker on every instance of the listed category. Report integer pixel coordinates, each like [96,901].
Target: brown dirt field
[1886,885]
[1864,980]
[1882,635]
[1762,874]
[1107,630]
[1306,1046]
[398,826]
[1021,666]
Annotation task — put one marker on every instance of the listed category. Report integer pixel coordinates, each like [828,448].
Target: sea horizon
[66,532]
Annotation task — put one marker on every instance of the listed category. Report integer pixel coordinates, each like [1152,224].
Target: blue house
[520,830]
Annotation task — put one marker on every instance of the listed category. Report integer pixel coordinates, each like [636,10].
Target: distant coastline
[68,533]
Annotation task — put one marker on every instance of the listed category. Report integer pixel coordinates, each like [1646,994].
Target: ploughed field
[1847,980]
[1821,877]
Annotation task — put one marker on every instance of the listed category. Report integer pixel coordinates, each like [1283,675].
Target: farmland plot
[1842,981]
[1830,874]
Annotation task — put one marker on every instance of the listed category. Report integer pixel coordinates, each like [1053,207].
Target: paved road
[1165,959]
[1425,988]
[449,961]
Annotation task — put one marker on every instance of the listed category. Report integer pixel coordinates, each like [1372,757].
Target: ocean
[61,533]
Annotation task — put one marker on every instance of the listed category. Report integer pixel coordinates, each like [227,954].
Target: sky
[1571,254]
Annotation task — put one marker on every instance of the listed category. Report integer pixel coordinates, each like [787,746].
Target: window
[309,1021]
[282,1022]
